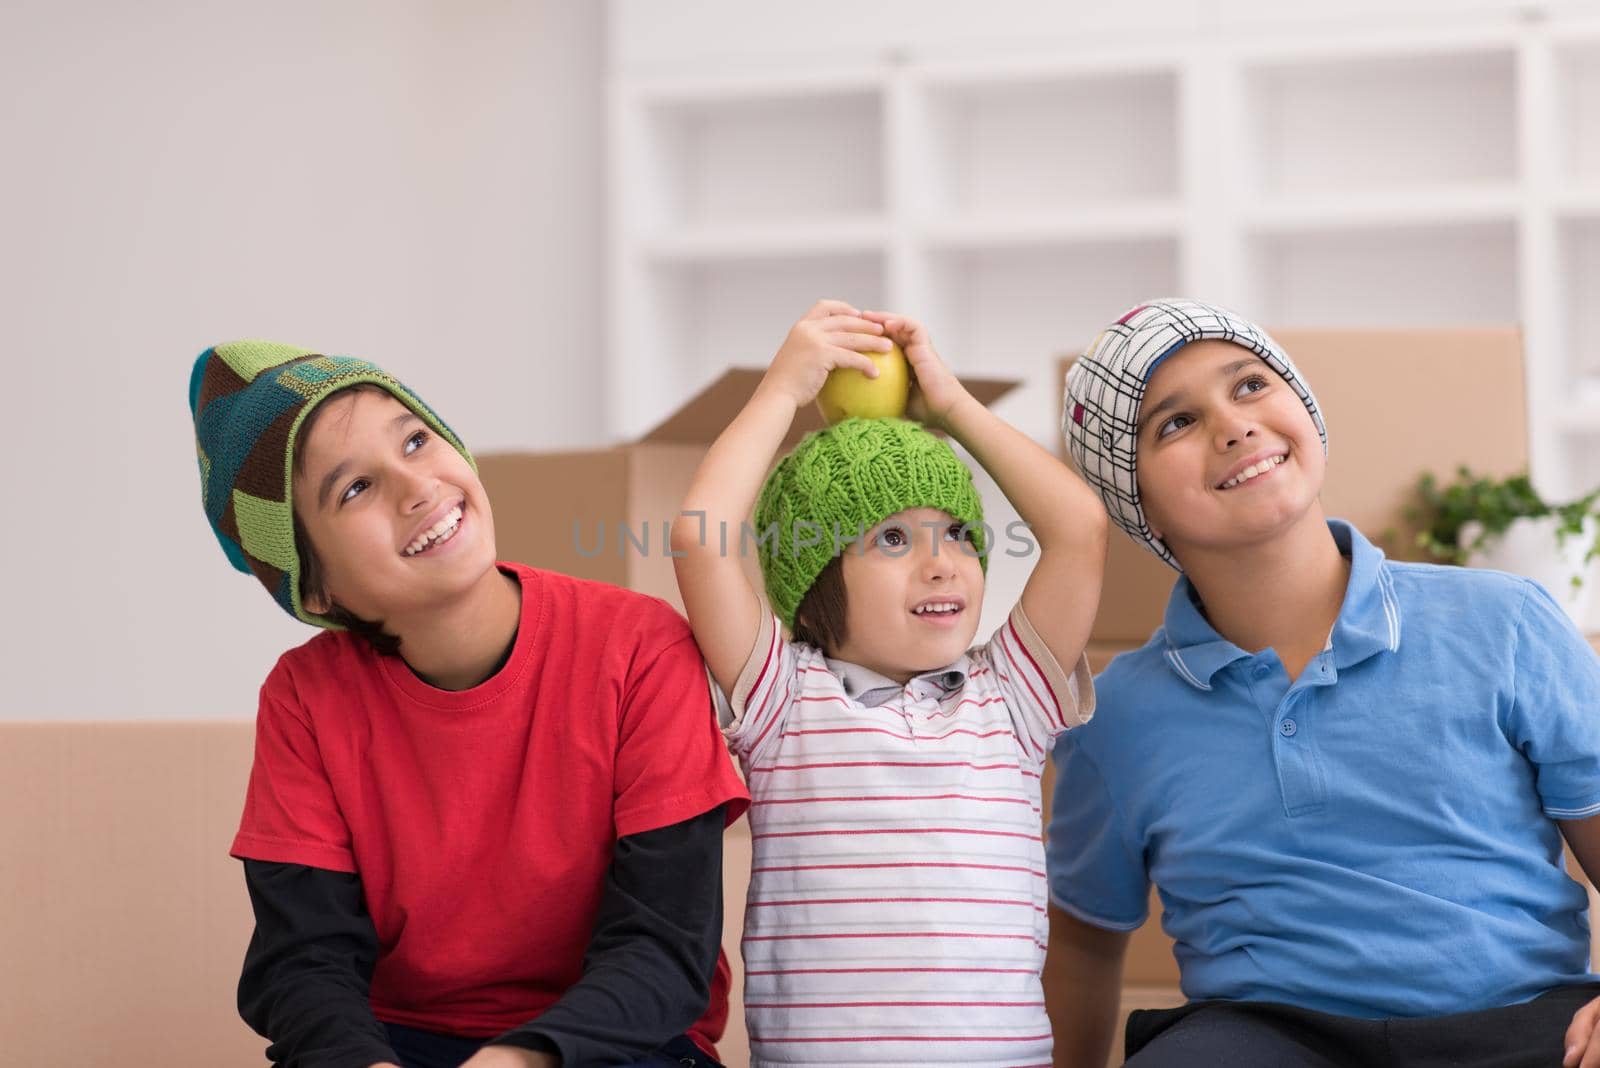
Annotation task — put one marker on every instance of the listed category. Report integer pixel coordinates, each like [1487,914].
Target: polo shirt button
[1287,728]
[1261,671]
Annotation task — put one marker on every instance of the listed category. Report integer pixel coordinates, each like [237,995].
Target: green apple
[848,392]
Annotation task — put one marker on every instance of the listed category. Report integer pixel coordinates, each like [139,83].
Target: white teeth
[440,532]
[942,607]
[1253,470]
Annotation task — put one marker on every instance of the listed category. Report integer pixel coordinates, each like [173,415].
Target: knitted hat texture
[842,481]
[248,399]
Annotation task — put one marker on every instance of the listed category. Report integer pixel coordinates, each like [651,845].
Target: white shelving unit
[1417,173]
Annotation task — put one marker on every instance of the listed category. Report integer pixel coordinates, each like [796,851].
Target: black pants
[425,1049]
[1258,1034]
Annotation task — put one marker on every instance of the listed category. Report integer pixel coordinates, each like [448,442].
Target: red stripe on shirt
[1061,721]
[907,1038]
[906,864]
[772,648]
[896,734]
[893,1004]
[896,971]
[772,715]
[891,934]
[892,830]
[965,702]
[892,764]
[884,900]
[894,797]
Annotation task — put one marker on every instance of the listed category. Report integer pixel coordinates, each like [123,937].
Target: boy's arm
[1063,513]
[1083,989]
[306,972]
[723,610]
[1582,1040]
[648,968]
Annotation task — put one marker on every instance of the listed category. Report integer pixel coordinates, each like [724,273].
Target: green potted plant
[1506,525]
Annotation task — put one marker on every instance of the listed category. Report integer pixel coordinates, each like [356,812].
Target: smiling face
[1228,454]
[398,518]
[913,593]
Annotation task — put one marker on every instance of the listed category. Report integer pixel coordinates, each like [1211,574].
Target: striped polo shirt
[897,894]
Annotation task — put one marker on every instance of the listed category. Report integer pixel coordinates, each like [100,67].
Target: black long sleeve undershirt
[308,968]
[646,972]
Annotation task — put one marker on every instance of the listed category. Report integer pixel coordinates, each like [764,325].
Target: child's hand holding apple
[831,337]
[935,391]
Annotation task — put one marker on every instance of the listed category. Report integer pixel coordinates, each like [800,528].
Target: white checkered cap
[1100,413]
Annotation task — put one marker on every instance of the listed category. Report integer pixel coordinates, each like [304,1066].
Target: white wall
[416,182]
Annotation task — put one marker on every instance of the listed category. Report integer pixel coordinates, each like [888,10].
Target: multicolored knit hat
[1100,415]
[842,481]
[248,400]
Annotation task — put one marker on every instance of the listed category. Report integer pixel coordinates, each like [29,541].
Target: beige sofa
[124,921]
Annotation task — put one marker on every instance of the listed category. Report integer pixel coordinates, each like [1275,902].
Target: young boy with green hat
[896,911]
[1348,777]
[459,840]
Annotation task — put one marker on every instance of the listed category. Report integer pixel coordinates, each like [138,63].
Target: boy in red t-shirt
[484,823]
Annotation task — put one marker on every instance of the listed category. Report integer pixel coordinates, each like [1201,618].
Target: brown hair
[311,571]
[820,619]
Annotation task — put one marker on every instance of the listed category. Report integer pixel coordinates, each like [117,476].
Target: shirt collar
[1368,623]
[866,687]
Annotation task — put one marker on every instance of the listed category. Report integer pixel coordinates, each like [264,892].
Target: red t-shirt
[482,821]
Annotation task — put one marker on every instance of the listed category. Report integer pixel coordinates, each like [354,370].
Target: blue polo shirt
[1374,840]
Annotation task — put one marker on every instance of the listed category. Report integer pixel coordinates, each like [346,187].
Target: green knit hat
[842,481]
[248,400]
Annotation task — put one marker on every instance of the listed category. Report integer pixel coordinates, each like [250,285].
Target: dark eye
[956,532]
[890,537]
[1173,425]
[1253,384]
[416,441]
[355,489]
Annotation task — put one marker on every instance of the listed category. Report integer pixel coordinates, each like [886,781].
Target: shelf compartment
[1580,412]
[1015,311]
[775,158]
[1580,252]
[761,240]
[1577,204]
[1388,276]
[1578,106]
[1442,206]
[1580,449]
[1392,122]
[735,313]
[1005,229]
[1075,140]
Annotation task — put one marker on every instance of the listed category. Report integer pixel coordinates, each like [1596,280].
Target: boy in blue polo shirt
[1349,777]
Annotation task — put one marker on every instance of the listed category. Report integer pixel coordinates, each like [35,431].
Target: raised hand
[935,391]
[832,334]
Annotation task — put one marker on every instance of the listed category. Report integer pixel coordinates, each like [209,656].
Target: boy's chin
[439,586]
[937,654]
[1238,535]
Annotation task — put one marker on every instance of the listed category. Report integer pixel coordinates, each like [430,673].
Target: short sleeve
[1094,874]
[291,815]
[1554,715]
[671,764]
[1043,699]
[765,691]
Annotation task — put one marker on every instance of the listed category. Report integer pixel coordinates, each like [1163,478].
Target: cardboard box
[1396,403]
[606,514]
